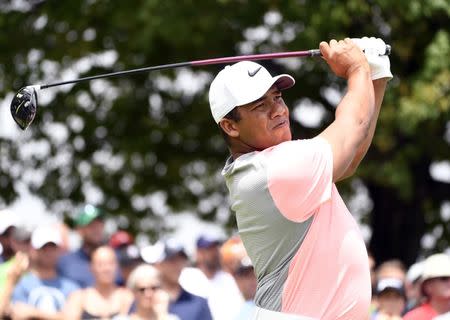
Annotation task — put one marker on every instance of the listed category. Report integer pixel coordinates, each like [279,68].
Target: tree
[146,145]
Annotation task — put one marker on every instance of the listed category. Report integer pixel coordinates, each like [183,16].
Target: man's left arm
[379,87]
[380,69]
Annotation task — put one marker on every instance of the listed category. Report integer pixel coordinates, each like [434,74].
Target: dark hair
[232,115]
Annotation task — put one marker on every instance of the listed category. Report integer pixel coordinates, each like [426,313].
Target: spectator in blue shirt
[76,265]
[42,293]
[170,259]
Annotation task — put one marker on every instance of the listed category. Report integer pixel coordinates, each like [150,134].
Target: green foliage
[145,137]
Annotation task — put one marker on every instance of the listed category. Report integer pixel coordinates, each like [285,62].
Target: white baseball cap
[436,266]
[242,83]
[45,234]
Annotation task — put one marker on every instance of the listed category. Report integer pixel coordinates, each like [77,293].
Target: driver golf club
[25,103]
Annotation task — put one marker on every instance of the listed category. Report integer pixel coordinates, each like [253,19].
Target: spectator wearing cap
[435,286]
[236,261]
[42,293]
[413,286]
[127,252]
[76,265]
[391,298]
[170,259]
[221,285]
[103,300]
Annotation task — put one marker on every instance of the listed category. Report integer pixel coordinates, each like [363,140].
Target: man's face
[438,288]
[48,255]
[171,268]
[93,233]
[391,303]
[264,122]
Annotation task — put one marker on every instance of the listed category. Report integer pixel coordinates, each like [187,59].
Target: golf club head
[24,106]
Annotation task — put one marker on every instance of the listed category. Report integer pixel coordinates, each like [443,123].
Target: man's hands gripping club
[344,57]
[374,50]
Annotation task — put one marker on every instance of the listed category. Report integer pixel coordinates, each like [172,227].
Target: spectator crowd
[111,277]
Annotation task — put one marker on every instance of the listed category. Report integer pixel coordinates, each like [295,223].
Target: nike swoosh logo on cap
[252,73]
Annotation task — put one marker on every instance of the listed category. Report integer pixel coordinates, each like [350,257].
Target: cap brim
[283,81]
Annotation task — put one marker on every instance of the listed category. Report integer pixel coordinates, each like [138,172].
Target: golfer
[307,251]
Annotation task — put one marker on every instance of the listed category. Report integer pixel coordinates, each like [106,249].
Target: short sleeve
[19,294]
[300,176]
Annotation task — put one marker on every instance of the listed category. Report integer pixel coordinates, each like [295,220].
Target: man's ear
[229,127]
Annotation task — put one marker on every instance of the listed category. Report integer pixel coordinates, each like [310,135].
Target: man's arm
[379,87]
[356,110]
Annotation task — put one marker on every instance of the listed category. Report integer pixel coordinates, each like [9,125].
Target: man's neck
[147,314]
[105,290]
[440,305]
[45,273]
[174,290]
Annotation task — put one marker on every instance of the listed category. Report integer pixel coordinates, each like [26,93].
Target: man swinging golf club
[306,248]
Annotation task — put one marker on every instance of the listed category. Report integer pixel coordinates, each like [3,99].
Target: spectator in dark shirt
[170,259]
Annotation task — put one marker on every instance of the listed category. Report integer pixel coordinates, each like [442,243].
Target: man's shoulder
[186,295]
[422,312]
[76,256]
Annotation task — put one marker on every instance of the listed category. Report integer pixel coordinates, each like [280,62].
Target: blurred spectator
[18,268]
[8,223]
[151,301]
[21,239]
[129,258]
[76,265]
[127,252]
[413,286]
[170,259]
[435,287]
[391,299]
[221,285]
[391,269]
[373,282]
[236,261]
[41,294]
[105,300]
[18,240]
[121,239]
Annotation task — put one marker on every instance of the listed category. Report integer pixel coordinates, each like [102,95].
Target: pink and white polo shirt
[306,248]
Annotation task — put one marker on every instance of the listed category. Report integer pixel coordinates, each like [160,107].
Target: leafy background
[145,146]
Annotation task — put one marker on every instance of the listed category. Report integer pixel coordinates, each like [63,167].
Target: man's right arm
[356,109]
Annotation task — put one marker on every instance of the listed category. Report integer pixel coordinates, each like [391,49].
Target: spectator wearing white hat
[435,286]
[413,286]
[42,293]
[391,299]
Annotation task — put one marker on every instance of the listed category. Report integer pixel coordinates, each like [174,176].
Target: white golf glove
[374,49]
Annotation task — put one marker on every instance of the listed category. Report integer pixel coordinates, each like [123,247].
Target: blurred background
[145,149]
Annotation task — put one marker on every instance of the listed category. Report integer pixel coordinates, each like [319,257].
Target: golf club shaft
[223,60]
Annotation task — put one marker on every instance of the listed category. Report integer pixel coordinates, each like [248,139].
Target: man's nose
[278,108]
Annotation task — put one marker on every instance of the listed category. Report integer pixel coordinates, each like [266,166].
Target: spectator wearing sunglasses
[170,258]
[151,301]
[435,287]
